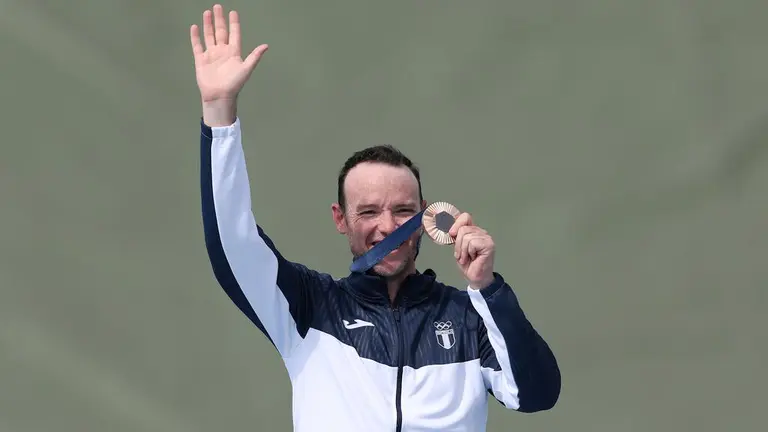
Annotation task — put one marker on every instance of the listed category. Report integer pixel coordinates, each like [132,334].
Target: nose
[387,223]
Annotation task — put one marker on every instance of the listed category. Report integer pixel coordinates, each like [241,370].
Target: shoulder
[449,292]
[313,279]
[455,303]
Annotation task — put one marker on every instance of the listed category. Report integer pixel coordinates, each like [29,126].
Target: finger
[457,245]
[474,238]
[194,37]
[234,32]
[482,246]
[220,25]
[462,220]
[210,41]
[463,235]
[470,243]
[475,245]
[253,58]
[464,254]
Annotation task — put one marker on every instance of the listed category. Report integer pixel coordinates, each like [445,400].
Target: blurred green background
[617,151]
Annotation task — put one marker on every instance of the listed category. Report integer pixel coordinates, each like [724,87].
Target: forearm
[529,378]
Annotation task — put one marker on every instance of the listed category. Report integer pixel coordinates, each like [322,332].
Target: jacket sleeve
[518,367]
[274,293]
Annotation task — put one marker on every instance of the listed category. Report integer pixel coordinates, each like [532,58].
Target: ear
[338,218]
[423,204]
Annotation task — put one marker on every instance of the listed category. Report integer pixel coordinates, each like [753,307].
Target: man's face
[379,198]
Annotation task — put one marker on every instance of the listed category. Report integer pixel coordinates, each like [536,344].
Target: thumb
[253,58]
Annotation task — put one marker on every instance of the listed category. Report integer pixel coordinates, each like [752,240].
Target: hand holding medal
[473,247]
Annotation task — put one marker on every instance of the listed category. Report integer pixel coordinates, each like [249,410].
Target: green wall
[616,151]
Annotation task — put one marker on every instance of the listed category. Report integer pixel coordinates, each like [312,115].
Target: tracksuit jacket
[358,362]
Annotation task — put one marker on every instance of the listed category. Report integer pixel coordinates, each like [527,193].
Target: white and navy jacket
[357,363]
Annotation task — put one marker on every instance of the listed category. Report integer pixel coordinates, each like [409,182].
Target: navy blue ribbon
[391,242]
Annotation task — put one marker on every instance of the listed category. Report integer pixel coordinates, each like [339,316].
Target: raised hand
[220,70]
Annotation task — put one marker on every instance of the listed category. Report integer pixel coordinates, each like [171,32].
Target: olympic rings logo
[439,325]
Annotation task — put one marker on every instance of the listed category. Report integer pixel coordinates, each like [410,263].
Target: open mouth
[392,252]
[374,243]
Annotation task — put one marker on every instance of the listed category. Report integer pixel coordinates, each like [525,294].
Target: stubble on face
[385,269]
[380,198]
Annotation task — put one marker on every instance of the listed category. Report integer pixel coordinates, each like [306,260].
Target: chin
[389,267]
[386,272]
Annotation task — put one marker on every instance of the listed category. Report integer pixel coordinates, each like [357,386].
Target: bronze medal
[438,219]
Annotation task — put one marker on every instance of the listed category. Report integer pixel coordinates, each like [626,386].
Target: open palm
[220,70]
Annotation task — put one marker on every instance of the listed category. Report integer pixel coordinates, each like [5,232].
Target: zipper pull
[396,311]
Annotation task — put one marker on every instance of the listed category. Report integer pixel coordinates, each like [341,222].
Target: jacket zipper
[400,361]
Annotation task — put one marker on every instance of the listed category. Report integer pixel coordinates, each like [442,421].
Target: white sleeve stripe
[503,384]
[252,263]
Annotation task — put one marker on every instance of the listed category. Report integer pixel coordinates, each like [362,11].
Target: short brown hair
[386,154]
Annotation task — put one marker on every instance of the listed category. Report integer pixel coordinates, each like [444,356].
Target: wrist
[220,112]
[482,283]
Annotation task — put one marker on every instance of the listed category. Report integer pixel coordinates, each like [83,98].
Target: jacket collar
[372,288]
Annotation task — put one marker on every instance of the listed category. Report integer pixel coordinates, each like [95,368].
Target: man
[388,349]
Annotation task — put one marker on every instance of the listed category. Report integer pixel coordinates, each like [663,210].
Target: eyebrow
[407,204]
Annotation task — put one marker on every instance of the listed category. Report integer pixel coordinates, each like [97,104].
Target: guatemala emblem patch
[444,332]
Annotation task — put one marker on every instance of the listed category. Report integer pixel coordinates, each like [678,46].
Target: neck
[395,282]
